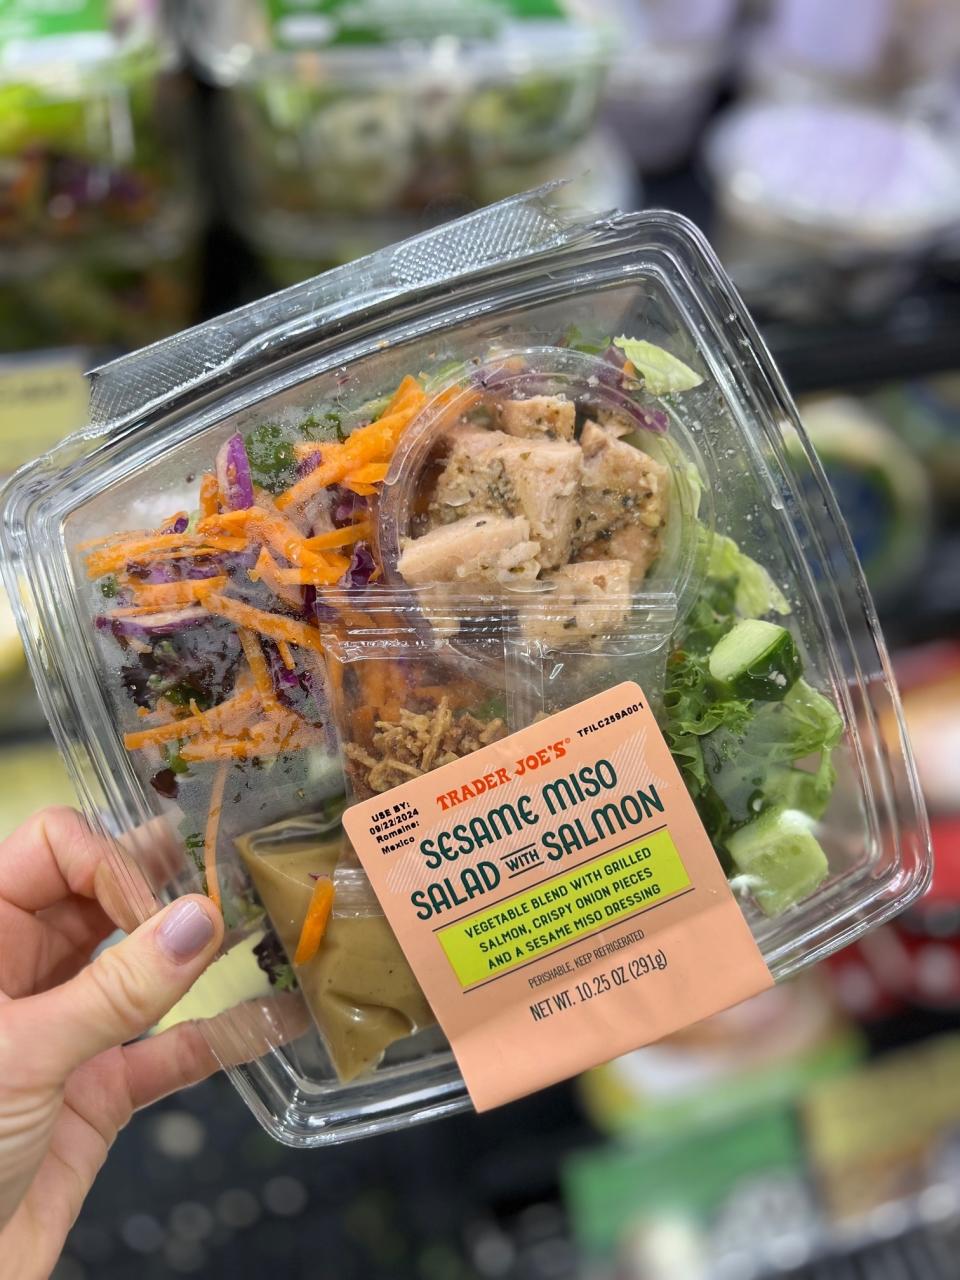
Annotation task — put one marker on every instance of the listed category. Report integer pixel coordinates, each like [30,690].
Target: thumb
[122,993]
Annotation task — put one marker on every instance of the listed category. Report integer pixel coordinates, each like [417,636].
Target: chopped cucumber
[756,660]
[780,859]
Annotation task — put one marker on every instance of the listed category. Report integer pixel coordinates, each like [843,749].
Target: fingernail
[185,931]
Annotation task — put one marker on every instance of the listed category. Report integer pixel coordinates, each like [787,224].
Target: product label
[557,897]
[33,19]
[42,399]
[313,22]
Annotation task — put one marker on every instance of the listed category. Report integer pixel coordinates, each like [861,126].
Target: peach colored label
[557,897]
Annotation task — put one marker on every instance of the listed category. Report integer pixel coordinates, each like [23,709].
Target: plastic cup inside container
[596,385]
[408,696]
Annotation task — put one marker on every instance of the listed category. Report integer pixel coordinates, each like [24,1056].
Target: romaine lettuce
[662,372]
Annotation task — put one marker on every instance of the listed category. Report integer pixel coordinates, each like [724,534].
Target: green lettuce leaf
[756,592]
[662,372]
[752,764]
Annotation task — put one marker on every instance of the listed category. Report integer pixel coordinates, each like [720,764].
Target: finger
[117,997]
[39,951]
[112,898]
[147,859]
[163,1064]
[183,1055]
[49,858]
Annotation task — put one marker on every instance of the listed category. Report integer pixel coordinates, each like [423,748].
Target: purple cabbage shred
[233,474]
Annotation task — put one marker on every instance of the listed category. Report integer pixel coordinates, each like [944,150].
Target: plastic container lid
[835,175]
[522,281]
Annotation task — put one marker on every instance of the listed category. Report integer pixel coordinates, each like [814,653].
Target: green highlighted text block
[555,913]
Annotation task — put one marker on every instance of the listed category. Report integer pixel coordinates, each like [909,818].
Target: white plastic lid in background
[856,173]
[802,47]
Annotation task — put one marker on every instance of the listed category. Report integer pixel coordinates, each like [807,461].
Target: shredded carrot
[163,733]
[288,542]
[211,835]
[234,711]
[114,557]
[139,611]
[111,539]
[372,443]
[209,495]
[166,595]
[161,557]
[232,523]
[211,750]
[340,537]
[258,666]
[267,624]
[370,473]
[268,570]
[328,570]
[273,528]
[234,714]
[376,685]
[315,924]
[171,520]
[286,657]
[361,490]
[409,389]
[278,733]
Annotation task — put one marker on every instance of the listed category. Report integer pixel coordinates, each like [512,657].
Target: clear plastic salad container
[90,116]
[373,524]
[324,112]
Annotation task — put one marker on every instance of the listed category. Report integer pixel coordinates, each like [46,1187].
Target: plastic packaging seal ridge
[503,232]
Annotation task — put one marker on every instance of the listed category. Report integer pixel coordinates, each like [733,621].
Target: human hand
[69,1081]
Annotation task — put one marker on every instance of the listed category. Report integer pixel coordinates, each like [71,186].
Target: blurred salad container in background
[97,207]
[826,208]
[597,174]
[881,487]
[114,292]
[925,414]
[670,59]
[377,111]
